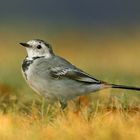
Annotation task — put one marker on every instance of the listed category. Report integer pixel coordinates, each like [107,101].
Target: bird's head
[38,48]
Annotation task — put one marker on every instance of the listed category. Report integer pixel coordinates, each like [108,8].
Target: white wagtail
[55,78]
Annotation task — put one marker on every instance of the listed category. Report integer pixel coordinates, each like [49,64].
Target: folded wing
[74,74]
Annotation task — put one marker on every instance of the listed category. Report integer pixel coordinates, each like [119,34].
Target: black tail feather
[125,87]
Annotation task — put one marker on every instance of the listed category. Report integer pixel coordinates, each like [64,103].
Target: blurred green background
[101,37]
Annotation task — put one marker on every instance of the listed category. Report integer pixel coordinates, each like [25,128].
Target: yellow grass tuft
[70,125]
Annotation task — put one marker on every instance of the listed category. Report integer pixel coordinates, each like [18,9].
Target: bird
[55,78]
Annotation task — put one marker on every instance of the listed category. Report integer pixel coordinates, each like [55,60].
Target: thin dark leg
[63,105]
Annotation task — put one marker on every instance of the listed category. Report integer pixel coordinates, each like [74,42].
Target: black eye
[39,47]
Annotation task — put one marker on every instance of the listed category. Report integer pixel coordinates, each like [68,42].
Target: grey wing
[75,74]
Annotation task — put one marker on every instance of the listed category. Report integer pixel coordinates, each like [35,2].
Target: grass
[105,115]
[83,124]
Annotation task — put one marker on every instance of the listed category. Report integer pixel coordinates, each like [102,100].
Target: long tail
[125,87]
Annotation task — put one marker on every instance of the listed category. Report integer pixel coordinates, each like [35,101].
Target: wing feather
[74,74]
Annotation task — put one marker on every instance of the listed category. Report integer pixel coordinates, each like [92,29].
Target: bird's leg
[63,104]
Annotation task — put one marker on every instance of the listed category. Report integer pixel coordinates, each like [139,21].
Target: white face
[37,48]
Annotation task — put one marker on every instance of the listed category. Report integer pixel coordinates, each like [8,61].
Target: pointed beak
[25,45]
